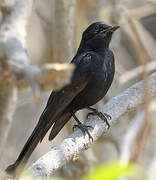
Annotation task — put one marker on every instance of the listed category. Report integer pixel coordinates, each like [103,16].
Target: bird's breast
[101,77]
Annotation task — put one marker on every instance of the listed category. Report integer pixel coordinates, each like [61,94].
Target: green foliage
[111,171]
[27,176]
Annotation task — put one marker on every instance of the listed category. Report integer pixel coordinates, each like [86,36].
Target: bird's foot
[84,130]
[102,116]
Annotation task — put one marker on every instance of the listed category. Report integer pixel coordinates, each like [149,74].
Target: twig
[76,142]
[136,72]
[144,11]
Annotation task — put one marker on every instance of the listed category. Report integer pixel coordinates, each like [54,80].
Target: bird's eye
[97,27]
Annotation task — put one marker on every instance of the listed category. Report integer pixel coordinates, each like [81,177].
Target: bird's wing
[59,124]
[59,101]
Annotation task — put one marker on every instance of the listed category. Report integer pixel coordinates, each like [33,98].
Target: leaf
[111,171]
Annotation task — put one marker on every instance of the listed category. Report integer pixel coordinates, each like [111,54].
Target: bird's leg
[82,127]
[101,115]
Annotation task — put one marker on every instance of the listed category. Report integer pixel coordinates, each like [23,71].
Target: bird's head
[98,35]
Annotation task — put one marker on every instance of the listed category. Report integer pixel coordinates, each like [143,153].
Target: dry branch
[136,72]
[144,11]
[51,76]
[76,142]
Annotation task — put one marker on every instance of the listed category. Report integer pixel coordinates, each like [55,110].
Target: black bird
[90,82]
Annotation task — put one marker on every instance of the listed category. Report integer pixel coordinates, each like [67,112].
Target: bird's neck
[93,46]
[82,49]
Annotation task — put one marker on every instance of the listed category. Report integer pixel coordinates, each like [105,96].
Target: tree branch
[13,34]
[130,140]
[12,43]
[76,142]
[8,99]
[51,76]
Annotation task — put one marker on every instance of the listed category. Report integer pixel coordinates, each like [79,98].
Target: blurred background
[53,35]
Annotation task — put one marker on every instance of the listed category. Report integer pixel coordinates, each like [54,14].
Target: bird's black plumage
[90,82]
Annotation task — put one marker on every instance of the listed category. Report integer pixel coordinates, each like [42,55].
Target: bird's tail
[37,135]
[30,145]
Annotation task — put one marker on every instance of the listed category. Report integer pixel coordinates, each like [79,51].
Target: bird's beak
[114,28]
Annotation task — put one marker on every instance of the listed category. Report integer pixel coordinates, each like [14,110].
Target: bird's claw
[107,116]
[84,129]
[102,116]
